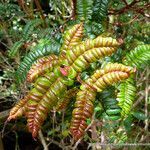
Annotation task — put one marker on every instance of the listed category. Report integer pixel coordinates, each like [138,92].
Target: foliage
[43,48]
[89,75]
[110,104]
[7,9]
[139,56]
[126,96]
[100,9]
[84,9]
[48,89]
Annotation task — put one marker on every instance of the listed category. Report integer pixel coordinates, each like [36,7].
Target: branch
[41,137]
[146,100]
[73,16]
[24,7]
[124,9]
[125,2]
[141,10]
[126,23]
[55,142]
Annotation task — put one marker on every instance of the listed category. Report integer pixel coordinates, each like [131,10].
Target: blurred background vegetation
[27,26]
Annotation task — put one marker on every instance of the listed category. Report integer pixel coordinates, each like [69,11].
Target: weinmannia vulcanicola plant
[54,78]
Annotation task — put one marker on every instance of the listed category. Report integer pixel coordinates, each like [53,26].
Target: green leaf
[128,122]
[45,47]
[30,26]
[139,115]
[65,133]
[15,48]
[100,10]
[84,75]
[139,56]
[88,121]
[93,29]
[96,109]
[84,9]
[110,105]
[126,95]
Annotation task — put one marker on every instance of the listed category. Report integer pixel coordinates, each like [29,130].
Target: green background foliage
[121,113]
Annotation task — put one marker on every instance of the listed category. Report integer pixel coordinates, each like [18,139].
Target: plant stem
[41,137]
[146,100]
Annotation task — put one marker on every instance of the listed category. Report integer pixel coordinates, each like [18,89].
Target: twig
[24,7]
[124,9]
[94,132]
[53,120]
[125,2]
[138,101]
[126,23]
[103,140]
[73,15]
[146,101]
[144,138]
[141,10]
[5,123]
[41,137]
[55,142]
